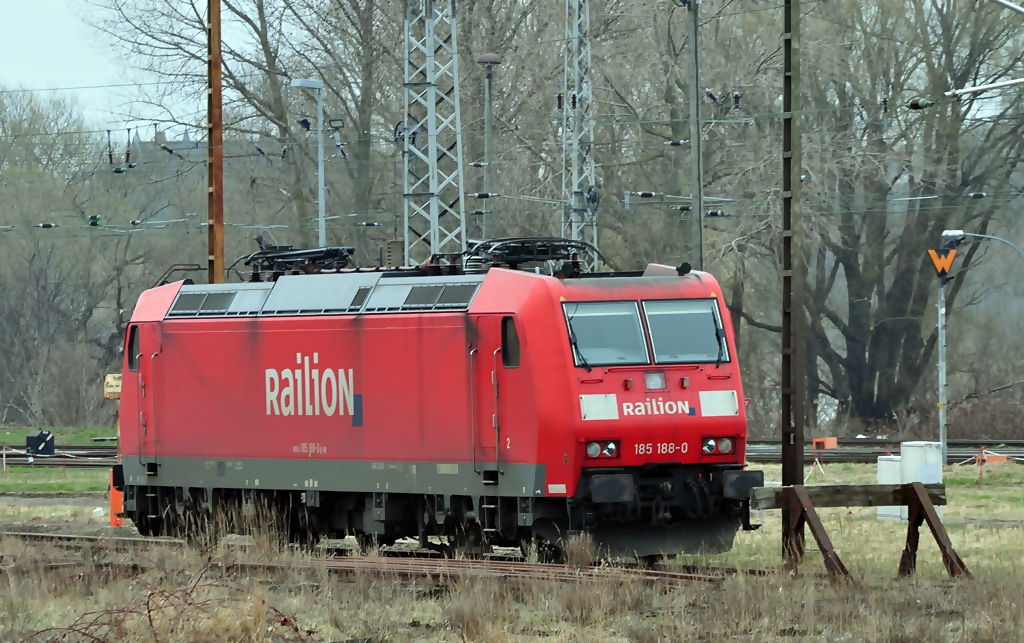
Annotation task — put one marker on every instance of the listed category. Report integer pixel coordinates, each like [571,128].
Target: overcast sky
[47,44]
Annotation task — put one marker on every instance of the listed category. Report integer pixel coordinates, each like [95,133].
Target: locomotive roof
[328,294]
[401,292]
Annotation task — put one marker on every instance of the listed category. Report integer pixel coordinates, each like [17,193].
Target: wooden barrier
[800,502]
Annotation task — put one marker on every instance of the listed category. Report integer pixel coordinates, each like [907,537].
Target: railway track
[92,457]
[402,565]
[766,454]
[758,451]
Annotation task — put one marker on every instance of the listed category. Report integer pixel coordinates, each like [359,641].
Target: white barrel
[921,462]
[889,473]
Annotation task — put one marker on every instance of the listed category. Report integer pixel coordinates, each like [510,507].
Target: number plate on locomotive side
[660,448]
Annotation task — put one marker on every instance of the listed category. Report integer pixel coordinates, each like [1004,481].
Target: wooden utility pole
[214,149]
[792,418]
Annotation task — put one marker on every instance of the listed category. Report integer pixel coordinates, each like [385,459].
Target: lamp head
[489,61]
[953,238]
[307,83]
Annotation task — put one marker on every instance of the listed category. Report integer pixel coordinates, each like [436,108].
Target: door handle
[472,403]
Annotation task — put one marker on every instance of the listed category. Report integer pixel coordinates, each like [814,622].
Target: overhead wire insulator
[483,195]
[676,143]
[736,101]
[715,213]
[978,195]
[46,226]
[560,99]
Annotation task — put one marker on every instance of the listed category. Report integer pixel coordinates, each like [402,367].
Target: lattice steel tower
[579,187]
[433,189]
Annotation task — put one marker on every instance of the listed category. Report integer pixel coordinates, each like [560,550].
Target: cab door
[146,354]
[501,402]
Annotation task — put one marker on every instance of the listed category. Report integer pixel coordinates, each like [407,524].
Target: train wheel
[648,562]
[539,550]
[298,526]
[367,543]
[470,543]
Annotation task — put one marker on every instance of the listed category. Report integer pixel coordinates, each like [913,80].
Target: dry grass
[187,595]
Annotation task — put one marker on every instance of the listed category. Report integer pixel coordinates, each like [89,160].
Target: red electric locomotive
[495,406]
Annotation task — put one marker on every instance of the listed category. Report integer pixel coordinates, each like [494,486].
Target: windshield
[606,333]
[686,330]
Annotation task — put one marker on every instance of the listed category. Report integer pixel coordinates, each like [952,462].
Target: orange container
[825,443]
[116,504]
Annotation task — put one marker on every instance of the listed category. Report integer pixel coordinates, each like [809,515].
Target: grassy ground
[186,595]
[53,479]
[985,523]
[63,436]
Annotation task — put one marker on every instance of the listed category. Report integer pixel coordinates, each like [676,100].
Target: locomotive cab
[638,402]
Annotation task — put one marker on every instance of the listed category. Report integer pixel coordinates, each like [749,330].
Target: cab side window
[509,343]
[134,349]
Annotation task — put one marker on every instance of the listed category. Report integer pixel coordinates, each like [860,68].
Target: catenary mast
[579,186]
[433,211]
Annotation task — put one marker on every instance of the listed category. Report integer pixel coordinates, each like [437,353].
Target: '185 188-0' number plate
[660,448]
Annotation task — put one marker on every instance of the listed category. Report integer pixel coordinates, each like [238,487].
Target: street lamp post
[308,83]
[489,61]
[951,240]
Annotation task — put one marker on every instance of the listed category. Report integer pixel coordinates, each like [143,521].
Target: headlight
[600,450]
[725,445]
[655,380]
[709,445]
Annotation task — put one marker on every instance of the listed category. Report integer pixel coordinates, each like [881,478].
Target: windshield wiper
[721,342]
[575,345]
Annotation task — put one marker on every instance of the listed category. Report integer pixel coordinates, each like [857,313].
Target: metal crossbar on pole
[579,185]
[214,148]
[433,189]
[793,384]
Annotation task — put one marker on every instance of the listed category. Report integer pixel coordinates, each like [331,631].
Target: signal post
[942,259]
